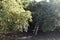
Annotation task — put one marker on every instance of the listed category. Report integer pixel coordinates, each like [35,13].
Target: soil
[55,35]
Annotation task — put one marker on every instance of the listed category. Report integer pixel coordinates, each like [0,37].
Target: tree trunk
[36,29]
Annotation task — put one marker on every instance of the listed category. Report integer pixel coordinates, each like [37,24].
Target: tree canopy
[44,14]
[13,16]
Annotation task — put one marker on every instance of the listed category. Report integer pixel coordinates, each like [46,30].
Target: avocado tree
[44,16]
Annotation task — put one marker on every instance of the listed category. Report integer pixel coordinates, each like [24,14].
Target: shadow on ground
[55,35]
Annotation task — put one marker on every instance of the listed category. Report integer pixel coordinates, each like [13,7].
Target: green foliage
[44,14]
[24,3]
[13,16]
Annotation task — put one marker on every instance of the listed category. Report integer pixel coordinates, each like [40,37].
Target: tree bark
[36,29]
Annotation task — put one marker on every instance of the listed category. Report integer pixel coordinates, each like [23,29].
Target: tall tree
[13,16]
[44,16]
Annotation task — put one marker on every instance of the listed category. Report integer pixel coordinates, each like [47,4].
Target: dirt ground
[55,35]
[43,36]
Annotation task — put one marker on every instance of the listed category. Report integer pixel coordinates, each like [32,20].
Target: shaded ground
[44,36]
[40,36]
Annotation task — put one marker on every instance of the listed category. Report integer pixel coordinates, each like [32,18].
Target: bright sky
[40,0]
